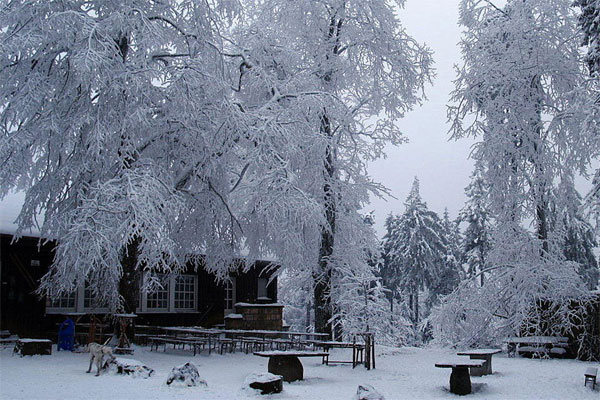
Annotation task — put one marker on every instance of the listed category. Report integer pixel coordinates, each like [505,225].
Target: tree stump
[289,367]
[460,382]
[267,383]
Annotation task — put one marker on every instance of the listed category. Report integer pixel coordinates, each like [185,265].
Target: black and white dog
[97,354]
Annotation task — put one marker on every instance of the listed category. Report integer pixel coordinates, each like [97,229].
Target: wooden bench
[357,351]
[195,343]
[287,364]
[8,341]
[590,376]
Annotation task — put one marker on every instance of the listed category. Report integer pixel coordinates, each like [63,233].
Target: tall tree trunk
[307,321]
[322,298]
[416,302]
[541,188]
[129,285]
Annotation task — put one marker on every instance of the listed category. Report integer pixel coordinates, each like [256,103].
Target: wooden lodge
[247,300]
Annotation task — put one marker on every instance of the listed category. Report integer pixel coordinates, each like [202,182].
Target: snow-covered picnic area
[401,373]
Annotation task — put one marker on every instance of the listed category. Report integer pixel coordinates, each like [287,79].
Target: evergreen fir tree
[389,269]
[449,275]
[476,241]
[577,234]
[589,21]
[416,247]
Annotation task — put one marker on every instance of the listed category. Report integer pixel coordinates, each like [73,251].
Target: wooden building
[193,298]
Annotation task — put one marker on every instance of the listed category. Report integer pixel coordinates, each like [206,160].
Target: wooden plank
[290,353]
[460,363]
[479,352]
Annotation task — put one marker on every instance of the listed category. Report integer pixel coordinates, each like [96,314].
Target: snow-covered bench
[590,376]
[30,347]
[195,343]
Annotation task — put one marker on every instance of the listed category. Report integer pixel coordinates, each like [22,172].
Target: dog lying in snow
[97,354]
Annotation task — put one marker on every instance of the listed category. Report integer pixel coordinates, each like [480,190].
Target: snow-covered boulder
[186,375]
[266,382]
[129,366]
[368,392]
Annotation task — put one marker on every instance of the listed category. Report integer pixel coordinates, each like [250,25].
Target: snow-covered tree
[147,134]
[592,200]
[115,123]
[475,213]
[589,21]
[515,94]
[335,76]
[578,239]
[390,270]
[450,269]
[417,248]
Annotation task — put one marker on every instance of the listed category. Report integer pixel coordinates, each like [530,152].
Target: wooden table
[213,334]
[287,364]
[460,381]
[535,344]
[210,334]
[481,354]
[357,351]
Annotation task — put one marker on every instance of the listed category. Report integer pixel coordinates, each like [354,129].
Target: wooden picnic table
[210,334]
[460,381]
[357,350]
[535,344]
[481,354]
[213,334]
[287,363]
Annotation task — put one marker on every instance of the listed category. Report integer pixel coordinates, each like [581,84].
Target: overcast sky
[443,166]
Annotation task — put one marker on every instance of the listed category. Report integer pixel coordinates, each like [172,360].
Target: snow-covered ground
[406,373]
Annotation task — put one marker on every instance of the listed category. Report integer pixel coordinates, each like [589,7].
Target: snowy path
[406,373]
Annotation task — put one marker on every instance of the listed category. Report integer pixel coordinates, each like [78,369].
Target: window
[64,302]
[185,292]
[262,289]
[159,300]
[229,295]
[90,301]
[177,294]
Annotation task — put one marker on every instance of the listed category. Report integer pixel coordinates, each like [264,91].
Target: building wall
[24,313]
[22,265]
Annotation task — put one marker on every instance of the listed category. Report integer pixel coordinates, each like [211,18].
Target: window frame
[171,282]
[229,288]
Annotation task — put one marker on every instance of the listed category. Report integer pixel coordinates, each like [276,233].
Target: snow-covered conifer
[417,247]
[589,21]
[475,213]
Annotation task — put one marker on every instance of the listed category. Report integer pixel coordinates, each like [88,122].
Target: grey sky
[442,166]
